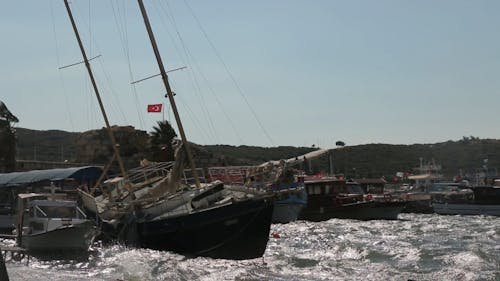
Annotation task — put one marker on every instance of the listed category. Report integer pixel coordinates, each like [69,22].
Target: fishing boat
[330,197]
[47,222]
[164,213]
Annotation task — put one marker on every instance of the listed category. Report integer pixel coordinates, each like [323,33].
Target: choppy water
[416,247]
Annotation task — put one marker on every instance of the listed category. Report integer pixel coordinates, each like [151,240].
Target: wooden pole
[96,91]
[169,91]
[3,269]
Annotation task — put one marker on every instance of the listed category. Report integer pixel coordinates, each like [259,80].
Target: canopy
[424,177]
[80,174]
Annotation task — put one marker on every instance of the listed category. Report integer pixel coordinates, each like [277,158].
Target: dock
[16,254]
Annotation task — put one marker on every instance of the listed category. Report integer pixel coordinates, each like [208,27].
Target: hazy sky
[262,72]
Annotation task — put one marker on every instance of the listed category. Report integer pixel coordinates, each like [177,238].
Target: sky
[265,73]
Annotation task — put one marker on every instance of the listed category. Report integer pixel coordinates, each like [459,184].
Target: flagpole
[170,94]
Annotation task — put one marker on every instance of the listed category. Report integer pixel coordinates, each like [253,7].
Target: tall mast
[169,91]
[96,91]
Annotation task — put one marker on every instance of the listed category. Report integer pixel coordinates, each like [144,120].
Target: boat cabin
[372,185]
[41,212]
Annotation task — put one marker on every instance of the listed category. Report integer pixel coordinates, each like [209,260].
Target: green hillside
[371,160]
[51,145]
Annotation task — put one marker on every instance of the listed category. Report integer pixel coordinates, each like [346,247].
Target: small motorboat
[46,222]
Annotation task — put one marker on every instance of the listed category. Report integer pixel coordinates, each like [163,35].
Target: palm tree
[7,139]
[161,142]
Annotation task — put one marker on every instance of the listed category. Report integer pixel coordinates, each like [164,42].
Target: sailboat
[158,211]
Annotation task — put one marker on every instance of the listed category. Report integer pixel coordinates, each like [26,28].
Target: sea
[414,247]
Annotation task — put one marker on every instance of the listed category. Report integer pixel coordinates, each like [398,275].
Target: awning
[424,177]
[80,174]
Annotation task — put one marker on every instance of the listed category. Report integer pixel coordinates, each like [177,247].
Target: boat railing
[156,170]
[152,170]
[188,176]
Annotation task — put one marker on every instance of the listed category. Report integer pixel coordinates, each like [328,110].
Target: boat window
[328,189]
[314,189]
[317,189]
[36,225]
[354,189]
[57,212]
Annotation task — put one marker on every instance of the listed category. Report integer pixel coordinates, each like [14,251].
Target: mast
[169,91]
[96,91]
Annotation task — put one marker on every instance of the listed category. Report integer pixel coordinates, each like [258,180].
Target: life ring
[387,197]
[369,197]
[17,256]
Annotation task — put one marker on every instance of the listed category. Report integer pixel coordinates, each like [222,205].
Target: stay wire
[116,105]
[207,135]
[240,91]
[121,25]
[61,80]
[185,59]
[192,76]
[192,61]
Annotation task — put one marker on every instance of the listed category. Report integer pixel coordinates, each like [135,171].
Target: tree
[161,142]
[7,139]
[340,143]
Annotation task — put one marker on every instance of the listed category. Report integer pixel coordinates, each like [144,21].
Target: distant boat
[329,197]
[290,196]
[480,200]
[290,200]
[48,223]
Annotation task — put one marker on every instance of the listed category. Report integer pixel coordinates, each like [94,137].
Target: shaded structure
[63,180]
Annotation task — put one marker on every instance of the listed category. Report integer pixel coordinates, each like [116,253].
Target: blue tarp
[80,174]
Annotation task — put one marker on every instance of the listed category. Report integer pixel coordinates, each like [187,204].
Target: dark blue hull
[239,230]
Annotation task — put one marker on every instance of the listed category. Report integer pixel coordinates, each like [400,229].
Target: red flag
[154,107]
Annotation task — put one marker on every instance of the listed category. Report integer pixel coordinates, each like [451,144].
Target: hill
[371,160]
[51,145]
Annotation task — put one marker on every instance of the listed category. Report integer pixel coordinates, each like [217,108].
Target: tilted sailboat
[157,211]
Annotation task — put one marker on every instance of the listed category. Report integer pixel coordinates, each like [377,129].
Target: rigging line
[121,25]
[185,58]
[211,91]
[198,89]
[240,91]
[190,59]
[171,39]
[194,119]
[115,104]
[61,80]
[231,122]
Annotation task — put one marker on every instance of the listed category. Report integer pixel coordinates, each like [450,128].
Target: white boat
[49,223]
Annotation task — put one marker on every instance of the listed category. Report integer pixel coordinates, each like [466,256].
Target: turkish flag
[154,107]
